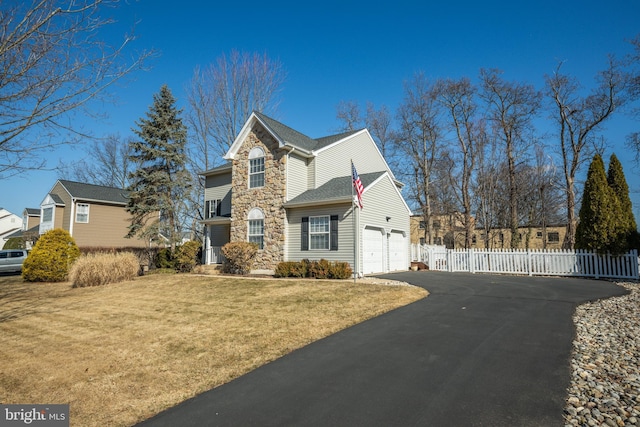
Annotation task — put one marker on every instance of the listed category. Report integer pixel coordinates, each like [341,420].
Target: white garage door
[397,252]
[373,251]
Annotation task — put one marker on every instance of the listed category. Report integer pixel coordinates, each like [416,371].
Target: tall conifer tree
[162,179]
[618,183]
[598,226]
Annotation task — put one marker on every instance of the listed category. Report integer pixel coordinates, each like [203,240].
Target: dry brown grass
[120,353]
[96,269]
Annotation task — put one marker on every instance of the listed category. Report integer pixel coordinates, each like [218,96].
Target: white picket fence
[531,262]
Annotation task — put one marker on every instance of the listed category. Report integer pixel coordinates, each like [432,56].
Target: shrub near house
[51,257]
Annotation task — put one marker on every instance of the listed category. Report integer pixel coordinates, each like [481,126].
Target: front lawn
[120,353]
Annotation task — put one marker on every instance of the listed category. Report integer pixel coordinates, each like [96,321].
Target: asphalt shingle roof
[93,192]
[224,167]
[336,189]
[297,139]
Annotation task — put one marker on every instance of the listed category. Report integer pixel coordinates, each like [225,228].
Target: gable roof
[335,190]
[286,136]
[95,193]
[32,211]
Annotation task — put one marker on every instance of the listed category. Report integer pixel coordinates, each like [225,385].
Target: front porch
[216,235]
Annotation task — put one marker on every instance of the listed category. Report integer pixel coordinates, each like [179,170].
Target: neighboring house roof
[32,211]
[336,190]
[95,193]
[20,233]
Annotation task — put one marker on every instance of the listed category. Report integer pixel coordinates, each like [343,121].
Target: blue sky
[360,51]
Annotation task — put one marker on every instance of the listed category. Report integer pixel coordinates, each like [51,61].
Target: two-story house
[292,195]
[94,215]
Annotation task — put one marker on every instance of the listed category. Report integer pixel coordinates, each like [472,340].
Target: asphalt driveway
[481,350]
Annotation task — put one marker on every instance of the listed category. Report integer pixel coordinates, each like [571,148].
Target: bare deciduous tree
[223,95]
[379,124]
[348,114]
[511,107]
[53,63]
[419,138]
[107,163]
[578,118]
[458,99]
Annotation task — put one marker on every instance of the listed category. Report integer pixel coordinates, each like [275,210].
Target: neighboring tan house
[292,195]
[448,230]
[9,224]
[30,218]
[94,215]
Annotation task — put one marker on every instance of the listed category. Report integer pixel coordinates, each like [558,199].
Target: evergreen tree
[159,184]
[598,226]
[618,183]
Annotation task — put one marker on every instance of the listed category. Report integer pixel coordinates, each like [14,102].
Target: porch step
[210,269]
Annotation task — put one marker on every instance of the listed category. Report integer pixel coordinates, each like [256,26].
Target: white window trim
[47,225]
[328,232]
[255,214]
[256,153]
[79,213]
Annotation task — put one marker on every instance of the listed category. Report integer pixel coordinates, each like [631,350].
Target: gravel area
[605,380]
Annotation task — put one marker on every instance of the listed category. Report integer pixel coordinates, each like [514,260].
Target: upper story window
[82,212]
[46,218]
[47,214]
[213,208]
[256,168]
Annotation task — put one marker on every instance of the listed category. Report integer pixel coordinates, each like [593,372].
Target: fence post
[472,261]
[529,269]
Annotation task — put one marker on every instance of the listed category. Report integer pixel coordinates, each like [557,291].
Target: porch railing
[213,255]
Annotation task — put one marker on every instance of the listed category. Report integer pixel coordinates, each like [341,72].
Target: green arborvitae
[51,257]
[627,222]
[597,228]
[162,178]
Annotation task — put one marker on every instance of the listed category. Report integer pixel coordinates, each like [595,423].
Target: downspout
[71,219]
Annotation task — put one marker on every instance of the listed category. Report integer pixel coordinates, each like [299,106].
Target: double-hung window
[256,227]
[319,232]
[256,168]
[82,212]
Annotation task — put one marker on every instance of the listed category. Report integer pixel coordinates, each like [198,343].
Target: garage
[398,251]
[373,250]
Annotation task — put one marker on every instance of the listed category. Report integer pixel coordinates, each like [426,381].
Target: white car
[11,260]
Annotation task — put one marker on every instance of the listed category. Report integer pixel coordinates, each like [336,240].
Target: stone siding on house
[269,199]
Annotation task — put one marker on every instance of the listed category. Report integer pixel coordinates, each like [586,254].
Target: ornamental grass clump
[51,257]
[103,268]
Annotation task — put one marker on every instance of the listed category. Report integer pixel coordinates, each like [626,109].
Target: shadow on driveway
[480,350]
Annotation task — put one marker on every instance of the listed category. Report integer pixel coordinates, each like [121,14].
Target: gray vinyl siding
[296,176]
[311,173]
[345,234]
[336,160]
[218,187]
[381,201]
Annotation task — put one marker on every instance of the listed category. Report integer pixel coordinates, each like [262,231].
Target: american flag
[357,184]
